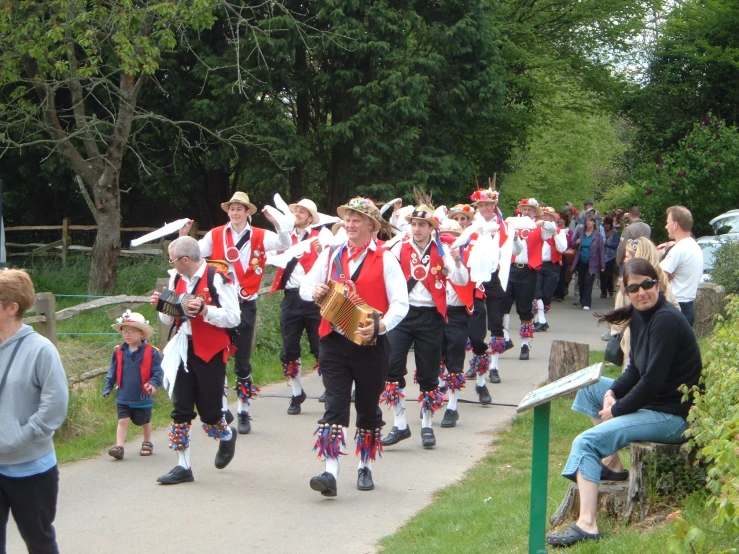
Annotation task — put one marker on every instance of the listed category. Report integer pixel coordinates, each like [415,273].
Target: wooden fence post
[46,306]
[66,239]
[162,328]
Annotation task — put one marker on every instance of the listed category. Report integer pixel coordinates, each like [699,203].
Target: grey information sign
[560,387]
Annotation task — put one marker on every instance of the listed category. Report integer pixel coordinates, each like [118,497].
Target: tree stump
[567,357]
[709,302]
[612,500]
[642,454]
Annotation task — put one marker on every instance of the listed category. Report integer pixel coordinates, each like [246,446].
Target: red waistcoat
[370,283]
[556,254]
[436,261]
[145,368]
[534,244]
[250,278]
[207,340]
[306,260]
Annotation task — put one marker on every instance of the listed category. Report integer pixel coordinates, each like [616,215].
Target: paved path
[262,501]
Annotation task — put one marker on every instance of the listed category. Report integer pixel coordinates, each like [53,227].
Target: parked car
[726,223]
[709,245]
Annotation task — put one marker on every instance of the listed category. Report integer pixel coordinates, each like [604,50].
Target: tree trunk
[107,248]
[567,357]
[642,455]
[612,500]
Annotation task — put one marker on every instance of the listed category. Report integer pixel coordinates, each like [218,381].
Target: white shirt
[685,262]
[272,241]
[395,286]
[560,240]
[228,315]
[298,274]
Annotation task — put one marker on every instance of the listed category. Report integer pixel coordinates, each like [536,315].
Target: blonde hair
[646,250]
[16,286]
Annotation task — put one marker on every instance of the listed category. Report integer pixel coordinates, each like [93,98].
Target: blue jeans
[609,437]
[688,310]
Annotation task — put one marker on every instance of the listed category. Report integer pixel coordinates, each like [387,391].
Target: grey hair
[185,246]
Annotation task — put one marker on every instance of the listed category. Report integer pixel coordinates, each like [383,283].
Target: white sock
[494,361]
[480,380]
[452,404]
[296,385]
[427,415]
[399,412]
[228,436]
[526,341]
[506,320]
[540,312]
[367,464]
[224,405]
[184,458]
[243,406]
[332,466]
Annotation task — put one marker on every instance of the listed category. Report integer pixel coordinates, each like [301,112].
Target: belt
[520,266]
[292,291]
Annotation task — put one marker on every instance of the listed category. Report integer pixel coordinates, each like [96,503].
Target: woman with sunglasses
[643,404]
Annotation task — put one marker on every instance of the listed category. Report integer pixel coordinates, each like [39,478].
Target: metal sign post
[540,400]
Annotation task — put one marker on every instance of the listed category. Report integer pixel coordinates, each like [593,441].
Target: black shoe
[364,480]
[226,451]
[228,414]
[295,403]
[484,394]
[325,483]
[396,435]
[177,475]
[508,345]
[524,352]
[471,374]
[450,418]
[494,376]
[322,398]
[428,440]
[607,474]
[244,423]
[541,327]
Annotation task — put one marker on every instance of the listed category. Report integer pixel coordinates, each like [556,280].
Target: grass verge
[488,510]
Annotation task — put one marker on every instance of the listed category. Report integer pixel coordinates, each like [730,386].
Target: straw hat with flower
[135,320]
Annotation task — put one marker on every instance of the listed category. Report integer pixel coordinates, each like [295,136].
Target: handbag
[570,255]
[614,354]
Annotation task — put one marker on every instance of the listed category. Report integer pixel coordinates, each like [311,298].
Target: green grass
[460,520]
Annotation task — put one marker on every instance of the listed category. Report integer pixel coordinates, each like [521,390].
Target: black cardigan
[664,355]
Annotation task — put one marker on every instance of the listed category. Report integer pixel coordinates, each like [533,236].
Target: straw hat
[240,197]
[531,203]
[463,209]
[308,205]
[451,227]
[550,211]
[425,213]
[484,195]
[133,319]
[364,206]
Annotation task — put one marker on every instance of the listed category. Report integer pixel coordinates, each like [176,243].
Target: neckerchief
[355,252]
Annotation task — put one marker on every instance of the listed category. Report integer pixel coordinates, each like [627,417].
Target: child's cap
[134,319]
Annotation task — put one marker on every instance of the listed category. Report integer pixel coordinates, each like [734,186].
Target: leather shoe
[295,402]
[508,345]
[364,480]
[450,418]
[541,327]
[607,474]
[228,414]
[177,475]
[471,374]
[396,435]
[322,398]
[244,423]
[325,483]
[524,352]
[226,450]
[484,394]
[428,440]
[494,376]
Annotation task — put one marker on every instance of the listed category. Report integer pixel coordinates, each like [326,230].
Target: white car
[726,223]
[709,246]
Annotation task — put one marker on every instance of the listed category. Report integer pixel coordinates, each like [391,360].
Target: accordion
[346,310]
[173,304]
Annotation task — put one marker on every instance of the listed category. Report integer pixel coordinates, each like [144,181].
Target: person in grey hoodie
[33,404]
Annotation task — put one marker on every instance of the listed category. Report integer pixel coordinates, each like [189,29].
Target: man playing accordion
[379,282]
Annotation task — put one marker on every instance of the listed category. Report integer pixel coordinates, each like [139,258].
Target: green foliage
[714,418]
[726,266]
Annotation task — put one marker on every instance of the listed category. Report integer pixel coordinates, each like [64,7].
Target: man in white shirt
[683,264]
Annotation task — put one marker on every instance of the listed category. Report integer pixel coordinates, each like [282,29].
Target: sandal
[116,452]
[146,448]
[572,535]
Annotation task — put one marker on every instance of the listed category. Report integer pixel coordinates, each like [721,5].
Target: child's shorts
[139,416]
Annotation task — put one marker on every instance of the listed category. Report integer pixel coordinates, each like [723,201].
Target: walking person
[590,259]
[33,405]
[611,246]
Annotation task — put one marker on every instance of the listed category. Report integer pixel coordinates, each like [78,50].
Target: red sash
[306,260]
[250,278]
[436,262]
[145,368]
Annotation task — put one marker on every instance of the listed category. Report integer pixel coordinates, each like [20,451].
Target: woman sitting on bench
[643,404]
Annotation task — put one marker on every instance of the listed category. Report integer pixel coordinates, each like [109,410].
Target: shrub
[726,266]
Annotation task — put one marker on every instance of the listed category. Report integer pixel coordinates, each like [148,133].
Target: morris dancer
[553,246]
[426,265]
[244,248]
[379,281]
[462,214]
[200,350]
[298,314]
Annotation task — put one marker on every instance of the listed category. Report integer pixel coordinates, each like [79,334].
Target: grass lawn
[488,509]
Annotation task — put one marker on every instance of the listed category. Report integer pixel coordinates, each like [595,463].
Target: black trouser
[521,288]
[455,337]
[563,286]
[585,283]
[498,303]
[424,329]
[688,310]
[200,386]
[298,315]
[344,362]
[245,337]
[547,279]
[476,329]
[32,500]
[606,277]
